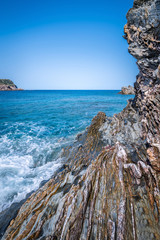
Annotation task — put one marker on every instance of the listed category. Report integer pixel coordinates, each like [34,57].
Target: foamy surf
[35,126]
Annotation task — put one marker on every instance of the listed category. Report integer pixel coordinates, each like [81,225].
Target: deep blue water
[35,125]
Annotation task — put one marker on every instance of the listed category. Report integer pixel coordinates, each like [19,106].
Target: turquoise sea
[35,126]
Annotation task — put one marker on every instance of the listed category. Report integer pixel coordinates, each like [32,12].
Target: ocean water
[35,126]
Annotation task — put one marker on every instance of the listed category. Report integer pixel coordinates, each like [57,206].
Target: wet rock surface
[108,187]
[127,90]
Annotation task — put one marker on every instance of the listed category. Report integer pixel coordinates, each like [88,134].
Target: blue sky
[64,44]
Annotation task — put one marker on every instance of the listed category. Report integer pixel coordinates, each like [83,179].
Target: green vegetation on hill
[6,82]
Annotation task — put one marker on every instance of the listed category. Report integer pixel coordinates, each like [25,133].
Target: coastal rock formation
[8,85]
[142,32]
[108,187]
[127,90]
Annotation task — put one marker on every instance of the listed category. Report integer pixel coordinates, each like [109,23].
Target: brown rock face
[109,185]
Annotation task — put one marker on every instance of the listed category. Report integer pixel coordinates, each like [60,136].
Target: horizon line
[71,89]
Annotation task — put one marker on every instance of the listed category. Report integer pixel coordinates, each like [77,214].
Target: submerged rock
[127,90]
[109,185]
[8,85]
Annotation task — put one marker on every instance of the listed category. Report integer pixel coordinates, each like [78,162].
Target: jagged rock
[8,85]
[142,32]
[108,187]
[127,90]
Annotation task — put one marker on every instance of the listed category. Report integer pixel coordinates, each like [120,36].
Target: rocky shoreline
[109,185]
[8,85]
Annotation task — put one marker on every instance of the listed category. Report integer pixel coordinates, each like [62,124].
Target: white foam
[25,161]
[17,177]
[28,155]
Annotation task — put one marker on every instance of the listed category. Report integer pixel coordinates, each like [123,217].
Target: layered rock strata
[127,90]
[108,187]
[142,32]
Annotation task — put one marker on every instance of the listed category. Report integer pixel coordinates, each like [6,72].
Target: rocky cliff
[8,85]
[109,185]
[143,35]
[127,90]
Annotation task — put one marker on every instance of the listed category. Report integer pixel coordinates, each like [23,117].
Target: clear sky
[65,44]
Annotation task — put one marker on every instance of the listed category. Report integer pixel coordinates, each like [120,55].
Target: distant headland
[127,90]
[8,85]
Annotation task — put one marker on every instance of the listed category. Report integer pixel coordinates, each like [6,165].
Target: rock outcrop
[8,85]
[127,90]
[108,187]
